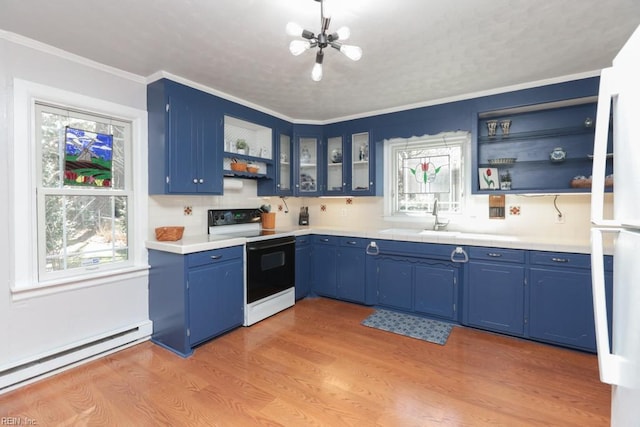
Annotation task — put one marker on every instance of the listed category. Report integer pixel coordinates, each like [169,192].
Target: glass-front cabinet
[335,174]
[308,156]
[361,180]
[284,182]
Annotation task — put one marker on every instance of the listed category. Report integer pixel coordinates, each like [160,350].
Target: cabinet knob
[195,180]
[201,181]
[371,183]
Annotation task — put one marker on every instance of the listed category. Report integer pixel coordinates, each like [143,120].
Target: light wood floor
[314,364]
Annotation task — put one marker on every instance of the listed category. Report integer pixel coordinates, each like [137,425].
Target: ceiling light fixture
[322,40]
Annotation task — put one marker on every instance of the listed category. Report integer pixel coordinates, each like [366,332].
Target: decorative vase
[504,126]
[492,127]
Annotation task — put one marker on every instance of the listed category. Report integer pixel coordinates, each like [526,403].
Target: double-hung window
[422,170]
[83,191]
[79,207]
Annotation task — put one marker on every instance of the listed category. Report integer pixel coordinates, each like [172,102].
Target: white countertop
[190,244]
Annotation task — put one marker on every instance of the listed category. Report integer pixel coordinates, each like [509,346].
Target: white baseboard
[44,365]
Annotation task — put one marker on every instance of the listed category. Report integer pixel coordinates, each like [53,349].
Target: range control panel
[218,217]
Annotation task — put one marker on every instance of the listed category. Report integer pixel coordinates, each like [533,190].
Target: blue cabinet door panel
[395,283]
[496,297]
[303,267]
[324,270]
[351,266]
[561,307]
[183,174]
[435,290]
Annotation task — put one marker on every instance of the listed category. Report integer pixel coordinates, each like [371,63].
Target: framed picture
[489,179]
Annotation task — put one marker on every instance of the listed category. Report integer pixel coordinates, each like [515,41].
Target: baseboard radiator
[47,364]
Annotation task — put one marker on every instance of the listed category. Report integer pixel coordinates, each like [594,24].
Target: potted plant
[241,146]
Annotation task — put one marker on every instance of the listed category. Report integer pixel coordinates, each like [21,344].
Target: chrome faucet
[438,225]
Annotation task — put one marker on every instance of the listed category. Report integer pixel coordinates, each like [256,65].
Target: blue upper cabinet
[352,165]
[184,152]
[543,148]
[308,158]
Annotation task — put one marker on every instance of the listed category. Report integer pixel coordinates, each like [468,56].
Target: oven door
[270,267]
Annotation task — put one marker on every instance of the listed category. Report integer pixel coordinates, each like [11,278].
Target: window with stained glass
[425,169]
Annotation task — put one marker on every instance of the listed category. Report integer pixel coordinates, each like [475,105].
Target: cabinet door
[334,174]
[208,159]
[215,300]
[324,269]
[495,297]
[303,267]
[182,146]
[561,307]
[284,176]
[436,290]
[361,173]
[308,178]
[394,276]
[351,265]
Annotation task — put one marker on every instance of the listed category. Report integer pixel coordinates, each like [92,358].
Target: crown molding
[51,50]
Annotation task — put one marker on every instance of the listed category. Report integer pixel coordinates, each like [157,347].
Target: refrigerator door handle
[614,369]
[607,94]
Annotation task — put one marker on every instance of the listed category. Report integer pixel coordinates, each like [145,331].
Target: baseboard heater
[26,371]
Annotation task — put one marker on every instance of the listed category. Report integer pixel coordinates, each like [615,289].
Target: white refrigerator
[619,354]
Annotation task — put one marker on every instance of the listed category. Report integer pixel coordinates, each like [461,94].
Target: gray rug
[411,326]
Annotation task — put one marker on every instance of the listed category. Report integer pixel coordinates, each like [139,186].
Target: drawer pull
[494,255]
[351,242]
[559,260]
[216,257]
[324,240]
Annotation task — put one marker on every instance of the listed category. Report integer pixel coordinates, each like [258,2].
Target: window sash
[50,185]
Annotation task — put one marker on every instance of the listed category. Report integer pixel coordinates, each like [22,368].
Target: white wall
[36,325]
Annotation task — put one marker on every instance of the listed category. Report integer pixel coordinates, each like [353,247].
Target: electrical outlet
[560,218]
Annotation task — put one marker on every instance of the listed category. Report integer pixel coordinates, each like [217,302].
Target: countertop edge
[191,244]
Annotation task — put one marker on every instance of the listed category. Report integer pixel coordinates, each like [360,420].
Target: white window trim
[420,217]
[23,237]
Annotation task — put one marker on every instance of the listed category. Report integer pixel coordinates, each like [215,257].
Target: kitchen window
[77,170]
[422,170]
[83,191]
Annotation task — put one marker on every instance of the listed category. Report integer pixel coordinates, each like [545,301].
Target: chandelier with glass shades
[321,40]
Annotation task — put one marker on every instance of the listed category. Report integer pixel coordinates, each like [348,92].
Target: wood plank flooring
[315,365]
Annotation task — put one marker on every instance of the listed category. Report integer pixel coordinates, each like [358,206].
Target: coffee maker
[303,218]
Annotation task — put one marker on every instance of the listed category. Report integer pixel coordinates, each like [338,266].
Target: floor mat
[412,326]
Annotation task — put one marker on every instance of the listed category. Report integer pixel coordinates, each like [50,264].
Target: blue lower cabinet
[495,297]
[561,307]
[215,300]
[324,272]
[351,265]
[195,297]
[436,290]
[416,277]
[395,282]
[303,266]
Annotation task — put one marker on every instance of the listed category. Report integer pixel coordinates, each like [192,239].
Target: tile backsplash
[528,215]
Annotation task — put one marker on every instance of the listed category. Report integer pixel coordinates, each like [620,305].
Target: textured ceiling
[415,51]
